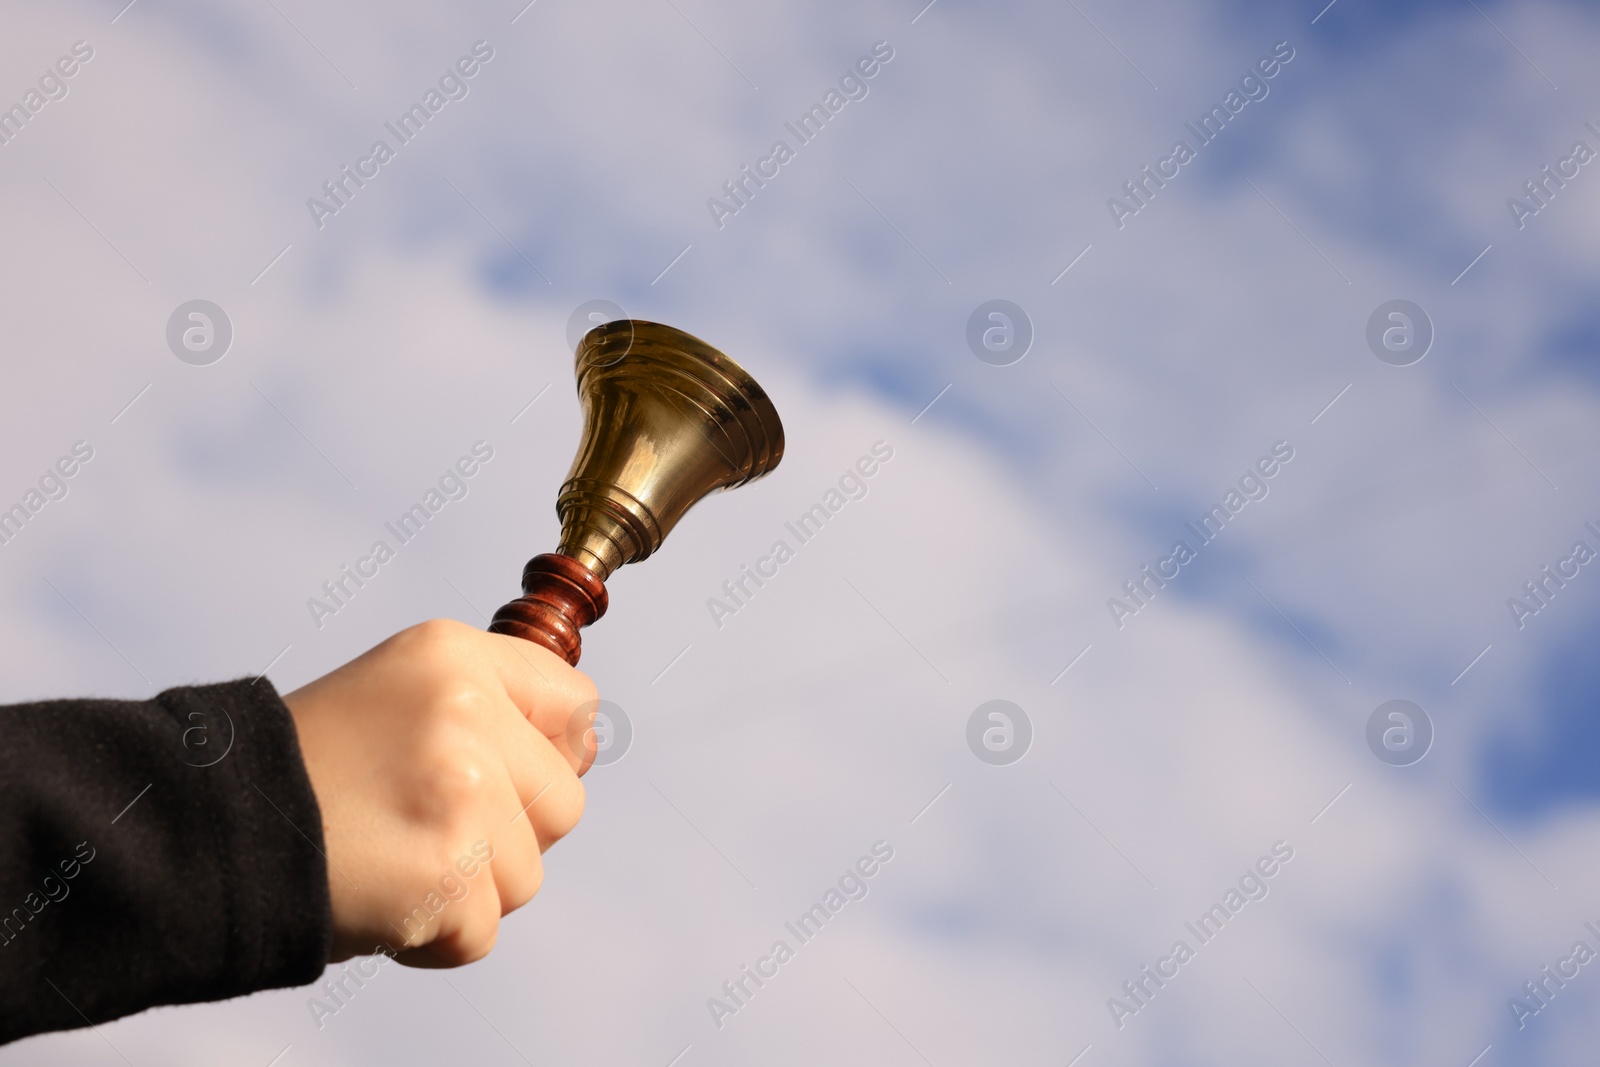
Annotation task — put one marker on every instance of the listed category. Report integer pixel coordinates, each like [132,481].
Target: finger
[544,688]
[512,870]
[467,931]
[516,866]
[548,796]
[582,741]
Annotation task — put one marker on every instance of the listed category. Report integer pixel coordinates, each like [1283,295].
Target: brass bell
[667,420]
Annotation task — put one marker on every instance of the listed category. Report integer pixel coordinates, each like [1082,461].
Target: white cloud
[823,717]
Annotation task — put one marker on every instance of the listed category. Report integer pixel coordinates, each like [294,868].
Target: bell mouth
[698,373]
[682,420]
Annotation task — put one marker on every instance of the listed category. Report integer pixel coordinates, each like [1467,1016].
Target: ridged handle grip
[559,597]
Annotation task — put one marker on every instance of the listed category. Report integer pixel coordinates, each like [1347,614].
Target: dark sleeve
[155,852]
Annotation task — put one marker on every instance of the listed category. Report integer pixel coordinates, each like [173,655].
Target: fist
[441,762]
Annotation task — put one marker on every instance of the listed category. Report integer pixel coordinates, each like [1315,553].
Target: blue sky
[1228,315]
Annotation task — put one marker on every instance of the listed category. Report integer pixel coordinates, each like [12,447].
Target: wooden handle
[559,597]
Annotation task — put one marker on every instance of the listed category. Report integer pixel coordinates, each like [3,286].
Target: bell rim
[696,353]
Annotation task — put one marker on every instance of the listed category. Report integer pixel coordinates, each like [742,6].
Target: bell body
[667,419]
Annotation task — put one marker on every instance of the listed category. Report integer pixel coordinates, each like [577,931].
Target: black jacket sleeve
[157,852]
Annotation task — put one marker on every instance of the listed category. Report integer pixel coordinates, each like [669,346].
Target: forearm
[157,852]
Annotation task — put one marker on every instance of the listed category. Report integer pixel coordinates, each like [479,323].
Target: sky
[1158,750]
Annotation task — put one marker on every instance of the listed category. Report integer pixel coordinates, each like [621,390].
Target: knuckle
[458,703]
[572,811]
[479,947]
[528,884]
[584,688]
[535,883]
[468,944]
[563,813]
[434,635]
[449,784]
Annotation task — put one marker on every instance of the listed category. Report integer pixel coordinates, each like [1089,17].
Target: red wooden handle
[560,596]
